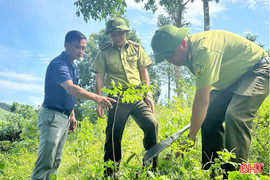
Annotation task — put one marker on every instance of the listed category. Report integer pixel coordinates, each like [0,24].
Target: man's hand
[185,145]
[73,123]
[100,111]
[149,101]
[104,102]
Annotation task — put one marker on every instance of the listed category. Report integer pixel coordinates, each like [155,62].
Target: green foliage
[83,152]
[132,94]
[19,125]
[4,114]
[99,10]
[2,166]
[11,128]
[4,106]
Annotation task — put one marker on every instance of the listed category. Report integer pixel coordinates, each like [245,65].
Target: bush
[12,128]
[5,146]
[23,121]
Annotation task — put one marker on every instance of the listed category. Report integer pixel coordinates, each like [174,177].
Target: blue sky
[32,34]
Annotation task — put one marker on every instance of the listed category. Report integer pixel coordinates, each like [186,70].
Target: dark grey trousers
[142,115]
[236,106]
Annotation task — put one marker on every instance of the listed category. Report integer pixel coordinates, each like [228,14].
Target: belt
[66,112]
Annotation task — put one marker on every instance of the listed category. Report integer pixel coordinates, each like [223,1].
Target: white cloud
[37,101]
[131,4]
[7,53]
[20,87]
[20,76]
[194,13]
[252,4]
[140,20]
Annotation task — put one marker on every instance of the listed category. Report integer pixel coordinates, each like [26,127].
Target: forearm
[99,83]
[72,114]
[78,92]
[144,76]
[199,110]
[145,79]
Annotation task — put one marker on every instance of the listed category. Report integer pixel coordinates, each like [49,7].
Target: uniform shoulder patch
[199,70]
[106,46]
[133,43]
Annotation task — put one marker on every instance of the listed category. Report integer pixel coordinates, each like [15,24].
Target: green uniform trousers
[142,115]
[53,129]
[236,106]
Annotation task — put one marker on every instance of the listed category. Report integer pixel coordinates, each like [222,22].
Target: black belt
[66,112]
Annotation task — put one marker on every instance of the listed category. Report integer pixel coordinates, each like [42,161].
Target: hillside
[3,114]
[83,152]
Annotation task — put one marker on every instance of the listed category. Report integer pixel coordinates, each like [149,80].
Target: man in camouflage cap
[124,61]
[239,72]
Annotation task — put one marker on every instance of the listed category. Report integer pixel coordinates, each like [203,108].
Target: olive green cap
[116,24]
[165,41]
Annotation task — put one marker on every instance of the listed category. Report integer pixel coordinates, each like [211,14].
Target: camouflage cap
[116,24]
[165,41]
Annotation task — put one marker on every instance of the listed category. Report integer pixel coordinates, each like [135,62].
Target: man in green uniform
[239,72]
[124,61]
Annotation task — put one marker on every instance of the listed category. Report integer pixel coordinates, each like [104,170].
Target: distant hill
[3,114]
[4,106]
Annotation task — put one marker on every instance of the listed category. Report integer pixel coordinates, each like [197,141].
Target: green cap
[116,24]
[165,41]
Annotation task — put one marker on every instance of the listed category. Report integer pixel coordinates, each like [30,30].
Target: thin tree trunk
[179,18]
[206,15]
[169,86]
[178,78]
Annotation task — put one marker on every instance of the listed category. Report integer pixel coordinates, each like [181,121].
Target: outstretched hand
[100,111]
[104,102]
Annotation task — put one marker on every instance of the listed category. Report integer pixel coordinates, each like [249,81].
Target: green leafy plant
[131,94]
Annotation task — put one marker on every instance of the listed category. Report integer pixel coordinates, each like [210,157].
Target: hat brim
[178,38]
[119,28]
[161,57]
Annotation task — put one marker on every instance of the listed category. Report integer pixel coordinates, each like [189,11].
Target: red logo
[247,168]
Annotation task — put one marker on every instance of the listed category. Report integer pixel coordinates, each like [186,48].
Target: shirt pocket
[132,62]
[113,65]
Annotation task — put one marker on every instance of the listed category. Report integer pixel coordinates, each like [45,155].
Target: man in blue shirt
[57,115]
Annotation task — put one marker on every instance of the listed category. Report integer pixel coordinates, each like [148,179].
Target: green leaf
[53,176]
[130,157]
[2,165]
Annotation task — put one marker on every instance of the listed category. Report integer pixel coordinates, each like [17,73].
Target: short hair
[74,36]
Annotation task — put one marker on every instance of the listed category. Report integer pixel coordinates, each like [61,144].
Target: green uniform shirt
[219,58]
[122,65]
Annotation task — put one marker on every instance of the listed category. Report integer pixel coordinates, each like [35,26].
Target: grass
[83,152]
[3,114]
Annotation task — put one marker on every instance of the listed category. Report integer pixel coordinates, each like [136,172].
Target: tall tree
[206,14]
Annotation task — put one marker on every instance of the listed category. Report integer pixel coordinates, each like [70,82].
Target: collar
[126,44]
[66,59]
[189,58]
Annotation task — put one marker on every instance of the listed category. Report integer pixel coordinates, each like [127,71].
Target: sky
[32,33]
